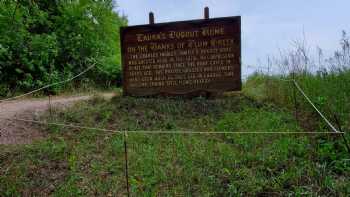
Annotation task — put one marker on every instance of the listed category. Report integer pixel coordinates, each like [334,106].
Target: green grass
[83,162]
[329,92]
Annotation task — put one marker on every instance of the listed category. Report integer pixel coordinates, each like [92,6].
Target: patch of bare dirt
[19,132]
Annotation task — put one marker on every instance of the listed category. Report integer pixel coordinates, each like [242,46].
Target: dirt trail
[17,132]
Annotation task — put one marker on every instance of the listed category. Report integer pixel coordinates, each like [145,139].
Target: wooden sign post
[184,57]
[206,13]
[151,18]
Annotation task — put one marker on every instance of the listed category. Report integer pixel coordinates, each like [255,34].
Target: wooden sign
[183,57]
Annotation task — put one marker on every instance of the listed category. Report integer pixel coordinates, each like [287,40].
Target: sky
[268,26]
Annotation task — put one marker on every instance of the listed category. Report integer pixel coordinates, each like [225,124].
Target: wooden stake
[50,108]
[295,98]
[342,132]
[126,164]
[151,18]
[206,13]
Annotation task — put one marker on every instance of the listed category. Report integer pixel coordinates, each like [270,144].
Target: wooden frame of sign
[182,58]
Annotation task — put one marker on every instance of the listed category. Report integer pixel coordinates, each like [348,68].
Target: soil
[19,132]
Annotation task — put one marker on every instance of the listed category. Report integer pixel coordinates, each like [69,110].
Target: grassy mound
[84,162]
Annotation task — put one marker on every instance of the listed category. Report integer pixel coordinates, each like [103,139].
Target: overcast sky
[267,25]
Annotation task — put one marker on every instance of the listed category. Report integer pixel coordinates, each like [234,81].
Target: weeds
[92,162]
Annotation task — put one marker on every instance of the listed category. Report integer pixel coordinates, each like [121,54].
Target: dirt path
[16,132]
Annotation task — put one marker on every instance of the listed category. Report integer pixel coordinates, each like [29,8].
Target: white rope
[312,104]
[58,124]
[81,127]
[165,132]
[278,79]
[47,86]
[318,111]
[224,132]
[287,80]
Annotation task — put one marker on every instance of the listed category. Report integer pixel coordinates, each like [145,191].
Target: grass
[330,92]
[84,162]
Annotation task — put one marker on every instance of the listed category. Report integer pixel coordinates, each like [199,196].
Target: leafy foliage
[48,41]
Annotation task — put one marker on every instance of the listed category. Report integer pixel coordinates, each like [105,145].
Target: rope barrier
[287,80]
[47,86]
[228,132]
[311,103]
[82,127]
[58,124]
[317,110]
[164,132]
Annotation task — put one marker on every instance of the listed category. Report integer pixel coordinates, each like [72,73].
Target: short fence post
[126,163]
[342,133]
[295,98]
[50,107]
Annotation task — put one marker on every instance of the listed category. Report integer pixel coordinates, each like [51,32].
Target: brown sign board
[183,57]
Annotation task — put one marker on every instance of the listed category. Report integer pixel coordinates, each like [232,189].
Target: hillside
[283,130]
[86,162]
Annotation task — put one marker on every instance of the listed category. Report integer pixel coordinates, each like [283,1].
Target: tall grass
[325,81]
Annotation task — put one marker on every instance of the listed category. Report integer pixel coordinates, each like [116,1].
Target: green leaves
[56,39]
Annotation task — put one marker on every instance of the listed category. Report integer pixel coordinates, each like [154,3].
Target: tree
[47,41]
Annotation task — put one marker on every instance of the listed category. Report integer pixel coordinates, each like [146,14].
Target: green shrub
[44,42]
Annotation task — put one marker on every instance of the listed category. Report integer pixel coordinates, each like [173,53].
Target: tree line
[45,42]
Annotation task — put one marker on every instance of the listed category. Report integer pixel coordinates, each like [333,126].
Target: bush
[48,41]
